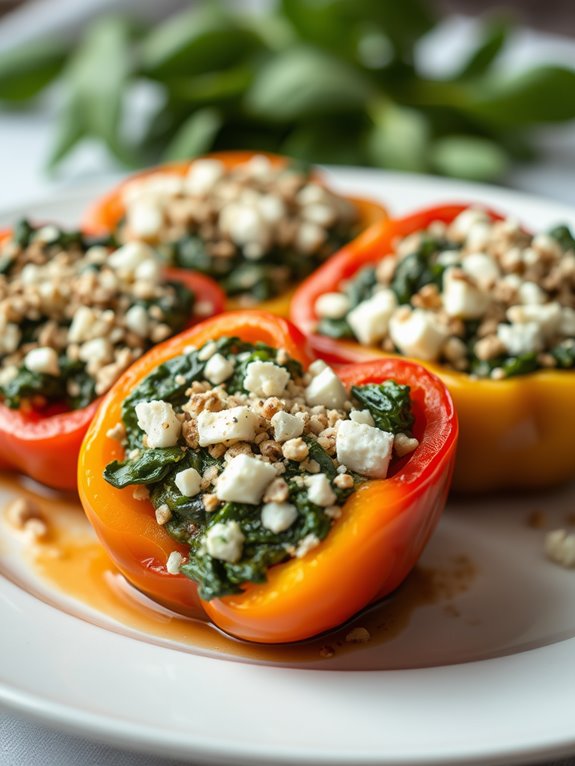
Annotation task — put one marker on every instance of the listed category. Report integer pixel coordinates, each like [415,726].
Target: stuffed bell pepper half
[228,474]
[256,223]
[486,306]
[75,312]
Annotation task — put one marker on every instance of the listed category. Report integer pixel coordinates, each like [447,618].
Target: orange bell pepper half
[105,215]
[515,433]
[368,552]
[45,444]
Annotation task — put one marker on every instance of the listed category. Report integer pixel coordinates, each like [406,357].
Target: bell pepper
[104,216]
[45,444]
[515,433]
[369,550]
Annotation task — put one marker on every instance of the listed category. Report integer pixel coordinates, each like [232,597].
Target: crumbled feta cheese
[174,563]
[417,333]
[97,350]
[327,389]
[218,369]
[244,480]
[272,208]
[126,259]
[202,176]
[216,427]
[188,482]
[320,491]
[277,517]
[465,221]
[481,268]
[286,426]
[43,360]
[309,237]
[244,224]
[159,422]
[404,444]
[332,305]
[361,416]
[520,339]
[10,338]
[547,317]
[462,298]
[307,544]
[205,352]
[225,541]
[82,324]
[560,547]
[145,218]
[531,293]
[370,319]
[316,367]
[266,379]
[138,320]
[364,449]
[567,322]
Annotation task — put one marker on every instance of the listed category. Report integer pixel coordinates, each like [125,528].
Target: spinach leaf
[510,365]
[389,404]
[151,466]
[563,236]
[564,355]
[418,269]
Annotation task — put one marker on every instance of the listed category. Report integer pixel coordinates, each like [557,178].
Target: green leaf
[472,157]
[303,82]
[399,139]
[539,95]
[27,69]
[196,41]
[195,136]
[490,46]
[150,466]
[389,404]
[211,87]
[96,77]
[562,233]
[327,142]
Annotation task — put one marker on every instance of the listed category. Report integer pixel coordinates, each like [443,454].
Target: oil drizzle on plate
[71,562]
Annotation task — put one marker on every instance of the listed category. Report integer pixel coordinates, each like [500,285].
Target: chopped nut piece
[358,636]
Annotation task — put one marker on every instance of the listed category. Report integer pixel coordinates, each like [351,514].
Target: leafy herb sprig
[334,81]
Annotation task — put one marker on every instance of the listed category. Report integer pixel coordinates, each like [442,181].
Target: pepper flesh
[369,550]
[516,433]
[104,216]
[45,445]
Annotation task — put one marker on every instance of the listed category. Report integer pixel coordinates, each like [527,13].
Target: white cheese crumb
[218,369]
[483,269]
[244,480]
[159,422]
[174,563]
[82,325]
[145,218]
[320,491]
[137,320]
[361,416]
[126,259]
[461,298]
[560,547]
[225,541]
[370,319]
[520,339]
[204,353]
[163,513]
[188,482]
[364,449]
[326,389]
[266,379]
[277,517]
[316,367]
[332,305]
[202,176]
[217,427]
[416,333]
[286,426]
[43,360]
[307,544]
[404,444]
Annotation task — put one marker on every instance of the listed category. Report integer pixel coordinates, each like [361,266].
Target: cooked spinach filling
[34,263]
[426,266]
[189,521]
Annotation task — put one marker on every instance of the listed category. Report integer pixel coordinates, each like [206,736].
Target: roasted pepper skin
[368,552]
[108,211]
[45,445]
[517,433]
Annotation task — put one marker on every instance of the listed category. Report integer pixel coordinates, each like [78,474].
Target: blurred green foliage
[333,81]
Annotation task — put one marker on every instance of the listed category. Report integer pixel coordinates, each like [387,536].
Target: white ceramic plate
[480,674]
